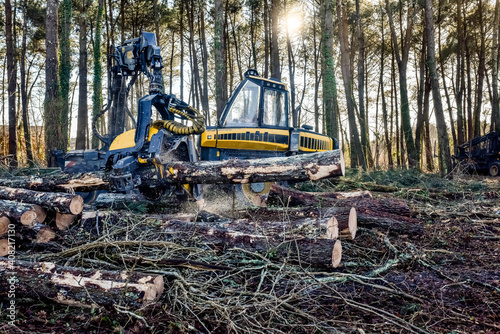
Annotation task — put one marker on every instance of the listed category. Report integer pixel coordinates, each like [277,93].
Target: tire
[494,169]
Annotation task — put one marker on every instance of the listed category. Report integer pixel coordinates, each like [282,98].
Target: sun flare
[293,22]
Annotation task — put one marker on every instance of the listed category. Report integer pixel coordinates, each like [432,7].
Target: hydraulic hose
[188,113]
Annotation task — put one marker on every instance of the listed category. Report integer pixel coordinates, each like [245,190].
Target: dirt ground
[441,275]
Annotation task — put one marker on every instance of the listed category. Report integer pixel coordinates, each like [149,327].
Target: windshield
[274,108]
[244,111]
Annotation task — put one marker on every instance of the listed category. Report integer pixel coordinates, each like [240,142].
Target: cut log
[391,213]
[43,233]
[64,220]
[60,183]
[314,166]
[60,202]
[296,243]
[4,226]
[284,196]
[4,247]
[23,213]
[344,218]
[81,287]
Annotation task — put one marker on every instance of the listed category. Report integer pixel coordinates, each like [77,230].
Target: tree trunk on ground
[60,202]
[443,139]
[59,183]
[82,122]
[23,213]
[82,287]
[12,82]
[289,242]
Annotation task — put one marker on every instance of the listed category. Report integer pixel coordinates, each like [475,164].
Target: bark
[19,212]
[12,82]
[388,140]
[66,183]
[53,131]
[65,70]
[328,69]
[447,95]
[460,83]
[24,90]
[314,166]
[97,84]
[480,74]
[495,114]
[363,115]
[82,121]
[81,287]
[306,242]
[204,60]
[61,202]
[181,40]
[443,139]
[275,52]
[356,152]
[402,61]
[220,58]
[266,38]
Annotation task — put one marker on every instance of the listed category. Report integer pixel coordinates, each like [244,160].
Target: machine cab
[254,123]
[257,102]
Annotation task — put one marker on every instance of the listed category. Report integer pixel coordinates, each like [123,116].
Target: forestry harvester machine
[481,154]
[253,125]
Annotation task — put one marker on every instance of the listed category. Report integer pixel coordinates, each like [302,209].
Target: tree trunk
[61,202]
[204,60]
[97,84]
[328,69]
[363,115]
[356,153]
[460,84]
[12,82]
[65,70]
[443,139]
[82,122]
[480,74]
[24,90]
[314,166]
[220,58]
[81,287]
[26,214]
[284,241]
[275,52]
[53,130]
[402,60]
[495,106]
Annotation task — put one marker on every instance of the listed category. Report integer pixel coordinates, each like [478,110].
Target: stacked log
[26,212]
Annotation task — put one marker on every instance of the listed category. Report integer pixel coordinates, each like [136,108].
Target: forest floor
[444,278]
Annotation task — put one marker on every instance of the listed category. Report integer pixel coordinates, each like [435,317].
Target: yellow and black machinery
[255,123]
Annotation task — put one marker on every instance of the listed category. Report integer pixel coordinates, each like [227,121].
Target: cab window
[274,108]
[245,108]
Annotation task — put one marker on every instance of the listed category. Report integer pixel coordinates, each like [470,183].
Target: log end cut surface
[4,247]
[336,254]
[76,205]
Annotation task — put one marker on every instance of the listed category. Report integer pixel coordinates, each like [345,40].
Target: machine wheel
[254,191]
[89,197]
[495,169]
